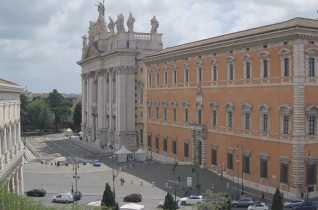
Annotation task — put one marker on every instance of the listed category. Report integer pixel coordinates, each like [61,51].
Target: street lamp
[175,189]
[308,175]
[75,167]
[198,186]
[237,147]
[238,178]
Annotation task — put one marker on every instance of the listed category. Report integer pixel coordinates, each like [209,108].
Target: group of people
[122,181]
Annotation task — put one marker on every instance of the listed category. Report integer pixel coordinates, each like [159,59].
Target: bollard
[131,181]
[141,183]
[153,184]
[167,185]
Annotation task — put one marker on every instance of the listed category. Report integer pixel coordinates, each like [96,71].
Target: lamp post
[308,175]
[75,167]
[113,171]
[175,189]
[198,186]
[238,178]
[237,147]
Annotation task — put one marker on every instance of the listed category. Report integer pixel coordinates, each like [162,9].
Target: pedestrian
[302,195]
[222,175]
[263,197]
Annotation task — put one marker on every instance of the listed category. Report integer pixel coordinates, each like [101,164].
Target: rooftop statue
[154,25]
[130,23]
[111,25]
[101,9]
[120,23]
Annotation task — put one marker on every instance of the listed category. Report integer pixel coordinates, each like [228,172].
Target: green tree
[39,114]
[77,115]
[108,201]
[169,202]
[215,201]
[277,203]
[60,106]
[24,111]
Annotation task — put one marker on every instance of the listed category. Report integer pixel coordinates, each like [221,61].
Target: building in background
[109,62]
[244,104]
[11,146]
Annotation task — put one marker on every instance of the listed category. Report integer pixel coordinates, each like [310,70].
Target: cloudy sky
[40,40]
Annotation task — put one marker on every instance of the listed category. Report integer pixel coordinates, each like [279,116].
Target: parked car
[63,198]
[243,202]
[133,197]
[36,193]
[293,203]
[193,199]
[258,206]
[96,163]
[77,195]
[307,205]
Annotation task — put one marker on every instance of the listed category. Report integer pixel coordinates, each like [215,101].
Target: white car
[193,199]
[258,206]
[63,198]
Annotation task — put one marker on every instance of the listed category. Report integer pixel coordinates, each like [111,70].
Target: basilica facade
[11,146]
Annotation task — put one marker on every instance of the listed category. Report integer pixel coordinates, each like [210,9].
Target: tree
[23,111]
[108,200]
[215,201]
[169,202]
[39,114]
[77,115]
[60,106]
[277,203]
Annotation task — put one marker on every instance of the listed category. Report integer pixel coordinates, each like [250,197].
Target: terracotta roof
[296,22]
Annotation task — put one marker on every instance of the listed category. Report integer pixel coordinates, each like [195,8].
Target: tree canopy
[77,115]
[39,114]
[108,201]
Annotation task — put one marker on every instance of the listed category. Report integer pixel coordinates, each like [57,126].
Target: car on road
[307,205]
[293,203]
[243,202]
[96,163]
[193,199]
[77,195]
[258,206]
[36,192]
[133,197]
[63,198]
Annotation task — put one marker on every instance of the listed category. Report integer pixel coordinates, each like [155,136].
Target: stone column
[21,187]
[10,141]
[1,148]
[100,105]
[12,183]
[84,104]
[16,181]
[14,133]
[4,146]
[110,96]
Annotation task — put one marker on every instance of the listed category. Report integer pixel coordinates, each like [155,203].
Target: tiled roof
[296,22]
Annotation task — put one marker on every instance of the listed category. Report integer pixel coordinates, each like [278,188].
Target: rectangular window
[174,109]
[186,149]
[265,122]
[158,78]
[214,118]
[311,174]
[248,70]
[165,113]
[247,120]
[230,119]
[157,142]
[149,141]
[199,74]
[186,76]
[311,125]
[230,161]
[141,97]
[199,116]
[231,76]
[174,77]
[165,144]
[174,147]
[284,173]
[166,77]
[141,70]
[311,67]
[149,111]
[246,164]
[286,67]
[263,168]
[286,124]
[157,113]
[141,133]
[214,157]
[149,79]
[265,65]
[186,115]
[215,73]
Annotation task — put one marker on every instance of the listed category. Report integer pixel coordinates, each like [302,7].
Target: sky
[40,40]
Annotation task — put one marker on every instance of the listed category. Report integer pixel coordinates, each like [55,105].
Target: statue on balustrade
[130,23]
[111,25]
[120,23]
[101,10]
[154,25]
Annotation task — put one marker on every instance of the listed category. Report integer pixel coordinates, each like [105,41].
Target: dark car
[307,205]
[293,203]
[243,202]
[134,197]
[36,193]
[77,195]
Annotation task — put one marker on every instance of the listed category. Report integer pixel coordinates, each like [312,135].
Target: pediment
[91,51]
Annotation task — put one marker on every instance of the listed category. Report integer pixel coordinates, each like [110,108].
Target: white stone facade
[11,146]
[108,81]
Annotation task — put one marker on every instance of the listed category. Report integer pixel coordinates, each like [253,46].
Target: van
[63,197]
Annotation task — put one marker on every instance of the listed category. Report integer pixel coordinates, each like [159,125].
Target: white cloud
[40,40]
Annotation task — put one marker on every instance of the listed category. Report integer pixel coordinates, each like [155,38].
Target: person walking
[263,197]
